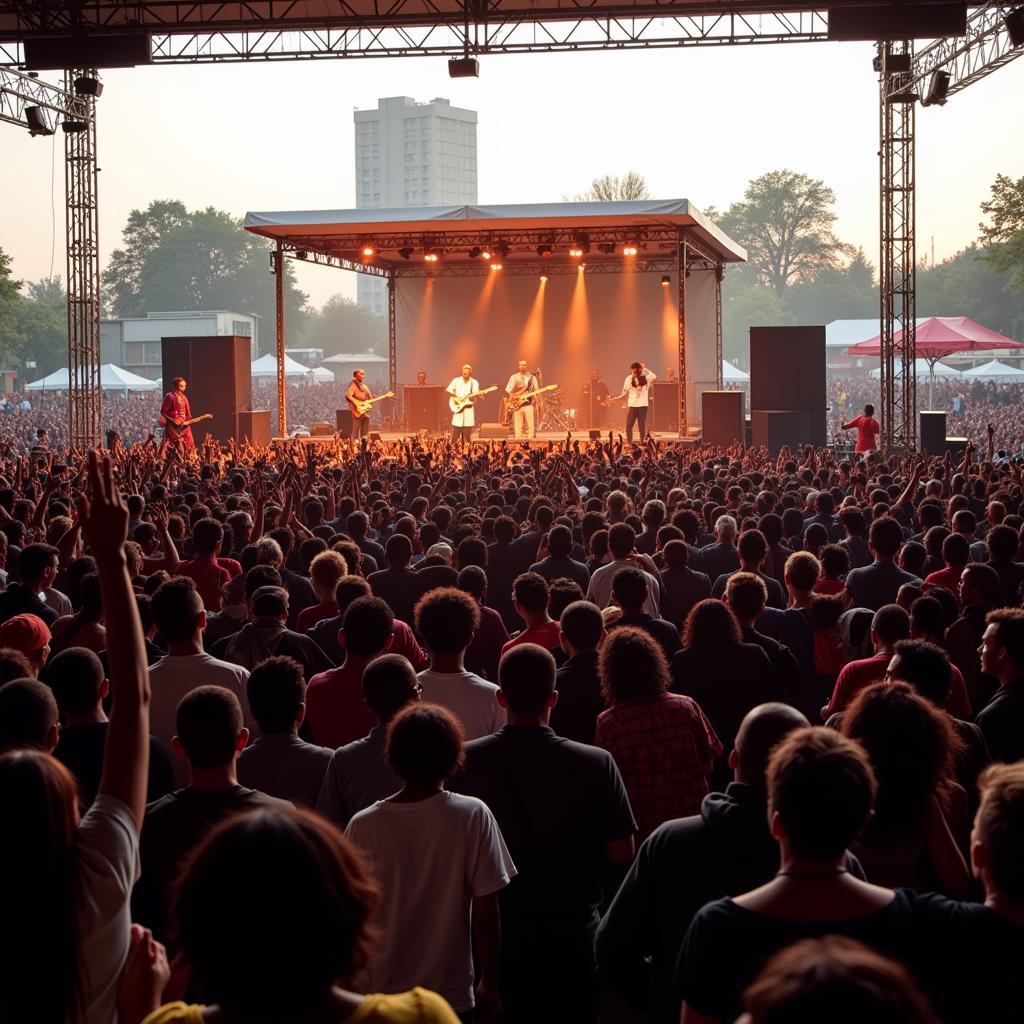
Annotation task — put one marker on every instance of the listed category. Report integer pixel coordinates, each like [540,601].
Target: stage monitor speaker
[932,435]
[664,412]
[217,370]
[787,368]
[321,430]
[494,430]
[343,419]
[955,446]
[253,424]
[426,407]
[722,417]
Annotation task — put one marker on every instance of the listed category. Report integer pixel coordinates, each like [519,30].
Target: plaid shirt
[664,749]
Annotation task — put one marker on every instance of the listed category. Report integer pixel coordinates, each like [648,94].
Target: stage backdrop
[566,327]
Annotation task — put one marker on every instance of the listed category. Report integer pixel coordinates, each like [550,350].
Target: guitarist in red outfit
[176,409]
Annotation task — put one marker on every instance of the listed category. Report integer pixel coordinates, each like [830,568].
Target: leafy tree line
[33,323]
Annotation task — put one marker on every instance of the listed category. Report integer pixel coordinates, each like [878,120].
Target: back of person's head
[33,562]
[632,666]
[980,585]
[471,551]
[762,729]
[28,634]
[621,540]
[1003,542]
[583,625]
[276,689]
[368,624]
[207,536]
[725,528]
[447,618]
[324,572]
[526,676]
[822,788]
[562,592]
[710,626]
[927,618]
[13,665]
[530,590]
[399,550]
[630,588]
[473,580]
[28,715]
[560,541]
[802,571]
[424,744]
[911,746]
[76,677]
[746,594]
[752,547]
[260,576]
[177,608]
[504,529]
[853,521]
[891,623]
[389,683]
[923,666]
[676,554]
[39,945]
[834,979]
[886,536]
[208,725]
[272,909]
[349,589]
[269,602]
[956,552]
[999,830]
[869,410]
[835,560]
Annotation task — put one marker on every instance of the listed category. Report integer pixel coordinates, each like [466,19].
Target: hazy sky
[697,123]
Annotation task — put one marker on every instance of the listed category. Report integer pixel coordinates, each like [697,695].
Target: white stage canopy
[921,369]
[997,371]
[112,378]
[265,368]
[733,374]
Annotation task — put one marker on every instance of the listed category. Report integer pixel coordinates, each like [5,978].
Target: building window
[242,328]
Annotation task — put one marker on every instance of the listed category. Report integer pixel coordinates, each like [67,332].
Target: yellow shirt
[417,1006]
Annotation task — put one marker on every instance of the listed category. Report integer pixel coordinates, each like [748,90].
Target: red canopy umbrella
[940,336]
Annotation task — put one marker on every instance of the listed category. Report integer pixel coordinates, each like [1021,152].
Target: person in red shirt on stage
[867,429]
[176,409]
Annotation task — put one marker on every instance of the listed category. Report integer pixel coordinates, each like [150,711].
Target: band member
[421,378]
[464,421]
[176,409]
[595,400]
[523,417]
[636,391]
[358,392]
[867,429]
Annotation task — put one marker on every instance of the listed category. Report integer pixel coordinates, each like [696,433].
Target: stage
[540,439]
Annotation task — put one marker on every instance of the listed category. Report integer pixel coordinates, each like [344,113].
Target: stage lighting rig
[367,252]
[432,255]
[665,280]
[485,253]
[502,249]
[38,124]
[474,253]
[406,252]
[543,250]
[630,249]
[575,250]
[607,248]
[496,266]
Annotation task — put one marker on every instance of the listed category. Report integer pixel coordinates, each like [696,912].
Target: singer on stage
[523,416]
[176,409]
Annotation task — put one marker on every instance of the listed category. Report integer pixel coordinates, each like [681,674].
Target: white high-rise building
[412,154]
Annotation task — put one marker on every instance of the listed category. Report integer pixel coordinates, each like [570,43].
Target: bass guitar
[179,428]
[458,404]
[360,407]
[515,400]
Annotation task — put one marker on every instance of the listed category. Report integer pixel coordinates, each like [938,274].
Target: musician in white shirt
[523,415]
[464,420]
[636,391]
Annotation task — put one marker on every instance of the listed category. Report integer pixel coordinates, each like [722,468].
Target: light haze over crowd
[697,123]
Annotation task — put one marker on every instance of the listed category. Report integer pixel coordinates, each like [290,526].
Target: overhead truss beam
[19,90]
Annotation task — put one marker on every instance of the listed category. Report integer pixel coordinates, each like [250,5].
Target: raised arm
[104,517]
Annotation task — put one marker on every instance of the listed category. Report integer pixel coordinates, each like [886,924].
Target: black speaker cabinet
[932,431]
[494,430]
[255,425]
[664,412]
[787,368]
[722,417]
[426,407]
[343,418]
[794,427]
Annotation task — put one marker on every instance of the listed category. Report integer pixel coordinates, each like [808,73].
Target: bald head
[762,729]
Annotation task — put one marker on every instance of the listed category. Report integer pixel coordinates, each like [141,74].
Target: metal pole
[282,383]
[392,336]
[681,325]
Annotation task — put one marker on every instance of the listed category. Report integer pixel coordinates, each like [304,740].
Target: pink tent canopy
[943,335]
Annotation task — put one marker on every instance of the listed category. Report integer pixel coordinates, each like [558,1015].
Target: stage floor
[540,438]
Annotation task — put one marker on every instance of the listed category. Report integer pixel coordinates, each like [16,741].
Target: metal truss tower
[896,233]
[85,405]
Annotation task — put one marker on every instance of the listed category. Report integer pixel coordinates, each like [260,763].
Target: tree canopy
[611,188]
[342,325]
[1004,236]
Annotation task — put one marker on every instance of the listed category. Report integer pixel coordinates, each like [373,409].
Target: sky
[698,123]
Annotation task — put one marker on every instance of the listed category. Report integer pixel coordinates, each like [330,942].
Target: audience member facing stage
[293,953]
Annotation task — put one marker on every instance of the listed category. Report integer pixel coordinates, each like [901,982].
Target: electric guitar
[515,400]
[360,407]
[458,404]
[179,428]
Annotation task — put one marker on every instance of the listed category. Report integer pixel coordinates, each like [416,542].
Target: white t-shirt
[107,848]
[637,398]
[175,675]
[472,700]
[466,418]
[431,858]
[599,591]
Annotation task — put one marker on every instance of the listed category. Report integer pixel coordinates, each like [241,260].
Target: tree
[176,259]
[1004,237]
[745,305]
[611,188]
[786,223]
[42,327]
[344,326]
[846,292]
[9,300]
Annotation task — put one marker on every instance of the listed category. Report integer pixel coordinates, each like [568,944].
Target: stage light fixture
[543,278]
[543,250]
[485,253]
[629,249]
[431,256]
[575,251]
[495,266]
[88,85]
[368,252]
[74,125]
[665,280]
[938,87]
[405,252]
[502,249]
[474,253]
[1014,25]
[35,118]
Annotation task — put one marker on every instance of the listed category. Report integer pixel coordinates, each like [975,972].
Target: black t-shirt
[726,946]
[968,960]
[579,698]
[557,803]
[81,749]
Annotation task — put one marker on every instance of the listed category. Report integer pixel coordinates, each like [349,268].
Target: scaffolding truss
[19,90]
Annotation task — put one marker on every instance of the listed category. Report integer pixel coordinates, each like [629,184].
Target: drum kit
[549,413]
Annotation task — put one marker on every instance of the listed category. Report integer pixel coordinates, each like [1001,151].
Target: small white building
[135,342]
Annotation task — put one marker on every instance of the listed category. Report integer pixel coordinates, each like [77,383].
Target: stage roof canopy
[514,234]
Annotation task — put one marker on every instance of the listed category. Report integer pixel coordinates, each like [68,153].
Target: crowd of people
[417,732]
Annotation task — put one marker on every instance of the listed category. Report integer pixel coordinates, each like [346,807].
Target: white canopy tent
[264,369]
[733,374]
[112,378]
[921,369]
[997,371]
